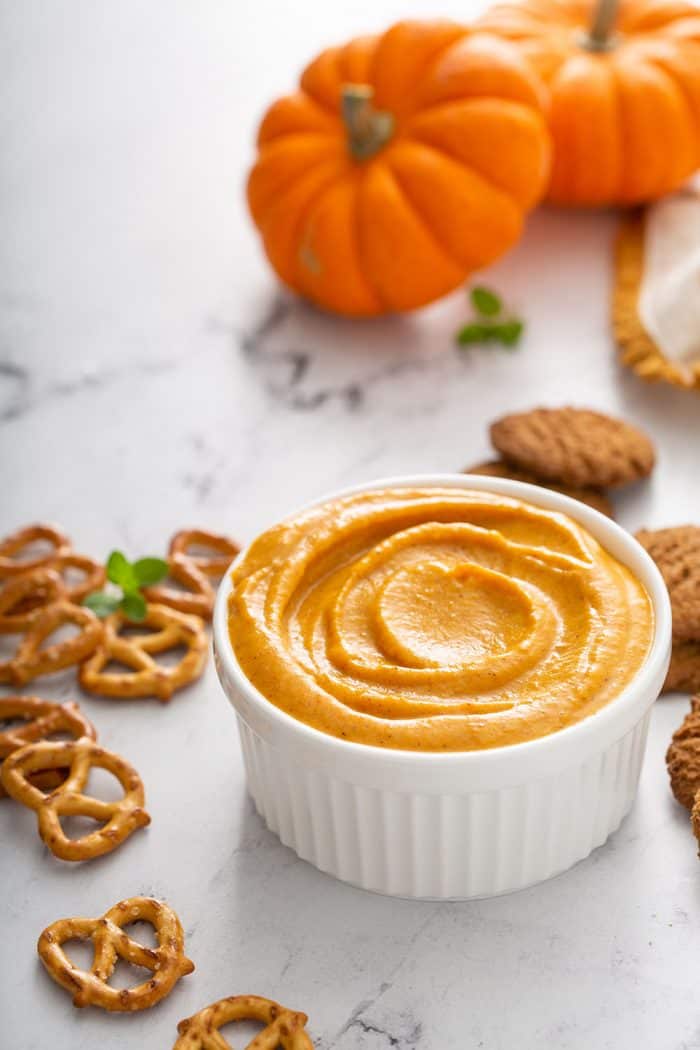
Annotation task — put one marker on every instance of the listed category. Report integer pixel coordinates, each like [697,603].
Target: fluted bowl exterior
[457,824]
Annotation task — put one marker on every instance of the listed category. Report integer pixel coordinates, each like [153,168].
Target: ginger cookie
[676,552]
[574,446]
[684,671]
[695,818]
[498,468]
[683,757]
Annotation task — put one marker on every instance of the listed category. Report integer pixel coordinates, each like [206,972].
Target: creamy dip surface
[436,619]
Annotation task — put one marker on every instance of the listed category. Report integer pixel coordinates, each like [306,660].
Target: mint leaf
[121,571]
[485,302]
[102,604]
[509,333]
[475,332]
[133,605]
[150,570]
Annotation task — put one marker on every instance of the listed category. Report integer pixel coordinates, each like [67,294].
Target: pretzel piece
[285,1028]
[17,541]
[172,630]
[23,597]
[117,819]
[167,962]
[39,720]
[94,574]
[30,660]
[210,564]
[197,599]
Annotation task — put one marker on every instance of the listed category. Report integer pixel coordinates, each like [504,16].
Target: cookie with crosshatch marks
[676,552]
[683,757]
[498,468]
[684,670]
[574,446]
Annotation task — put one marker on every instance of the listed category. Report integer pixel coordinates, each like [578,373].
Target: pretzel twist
[197,599]
[285,1028]
[212,564]
[148,678]
[167,962]
[117,819]
[30,660]
[23,597]
[94,574]
[17,541]
[40,719]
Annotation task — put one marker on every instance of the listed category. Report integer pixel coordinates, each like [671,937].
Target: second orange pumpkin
[624,81]
[404,162]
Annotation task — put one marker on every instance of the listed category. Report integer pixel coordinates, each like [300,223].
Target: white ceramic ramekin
[461,824]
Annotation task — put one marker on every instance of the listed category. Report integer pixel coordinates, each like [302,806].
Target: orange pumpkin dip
[436,619]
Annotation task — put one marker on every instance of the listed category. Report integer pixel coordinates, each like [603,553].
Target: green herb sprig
[492,323]
[128,579]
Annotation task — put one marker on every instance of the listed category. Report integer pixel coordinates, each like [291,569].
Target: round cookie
[684,671]
[683,757]
[497,468]
[695,817]
[676,552]
[574,446]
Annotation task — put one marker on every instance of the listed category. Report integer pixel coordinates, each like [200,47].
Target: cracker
[498,468]
[676,552]
[574,446]
[695,817]
[684,671]
[683,757]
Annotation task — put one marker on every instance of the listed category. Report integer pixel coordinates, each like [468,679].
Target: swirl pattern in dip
[436,619]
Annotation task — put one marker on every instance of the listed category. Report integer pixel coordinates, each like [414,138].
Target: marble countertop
[152,375]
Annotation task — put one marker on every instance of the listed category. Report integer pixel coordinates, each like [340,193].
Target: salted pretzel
[117,819]
[23,597]
[93,572]
[197,598]
[25,594]
[172,630]
[167,962]
[17,541]
[40,720]
[31,660]
[285,1028]
[210,564]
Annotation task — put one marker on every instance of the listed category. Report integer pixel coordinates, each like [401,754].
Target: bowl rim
[600,526]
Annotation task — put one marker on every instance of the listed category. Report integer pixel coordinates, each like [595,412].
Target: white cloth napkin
[669,296]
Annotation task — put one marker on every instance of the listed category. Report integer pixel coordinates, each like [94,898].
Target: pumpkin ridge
[424,222]
[361,252]
[679,84]
[307,217]
[288,183]
[666,180]
[413,136]
[622,136]
[615,186]
[427,68]
[302,218]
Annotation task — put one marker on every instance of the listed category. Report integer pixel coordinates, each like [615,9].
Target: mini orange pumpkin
[625,92]
[404,162]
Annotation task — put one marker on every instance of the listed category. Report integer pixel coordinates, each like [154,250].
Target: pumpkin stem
[369,129]
[600,36]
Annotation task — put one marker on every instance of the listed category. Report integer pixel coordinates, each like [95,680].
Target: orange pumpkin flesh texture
[625,121]
[464,155]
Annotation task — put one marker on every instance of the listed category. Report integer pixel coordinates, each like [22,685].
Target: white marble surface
[151,375]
